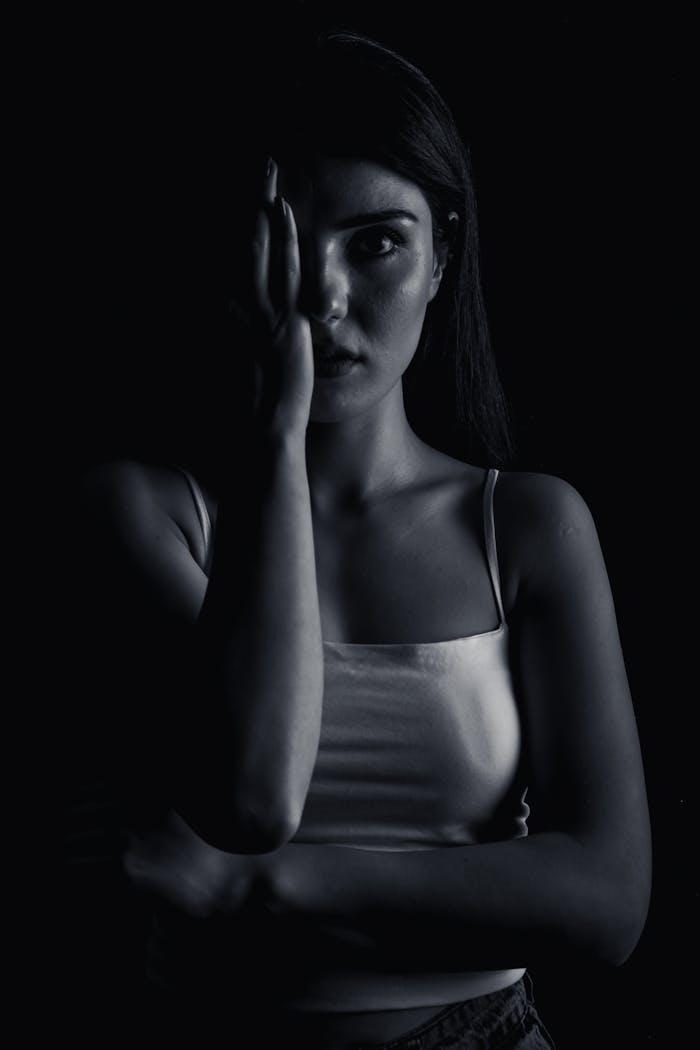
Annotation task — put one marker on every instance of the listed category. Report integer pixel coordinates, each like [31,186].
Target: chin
[333,413]
[343,399]
[334,405]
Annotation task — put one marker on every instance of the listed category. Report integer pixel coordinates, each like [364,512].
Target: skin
[395,529]
[364,285]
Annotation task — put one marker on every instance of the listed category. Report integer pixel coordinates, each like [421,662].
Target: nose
[324,290]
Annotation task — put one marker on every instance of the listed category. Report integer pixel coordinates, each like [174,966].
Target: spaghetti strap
[490,539]
[202,514]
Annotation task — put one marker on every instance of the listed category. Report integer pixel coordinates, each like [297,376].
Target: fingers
[261,240]
[175,865]
[290,255]
[276,262]
[270,183]
[261,263]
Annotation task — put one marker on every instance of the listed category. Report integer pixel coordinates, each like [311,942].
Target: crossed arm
[580,882]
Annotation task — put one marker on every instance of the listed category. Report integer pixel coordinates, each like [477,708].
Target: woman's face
[369,269]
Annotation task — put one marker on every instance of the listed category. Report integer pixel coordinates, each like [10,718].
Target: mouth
[331,360]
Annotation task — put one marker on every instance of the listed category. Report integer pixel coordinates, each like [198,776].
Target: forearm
[258,644]
[486,906]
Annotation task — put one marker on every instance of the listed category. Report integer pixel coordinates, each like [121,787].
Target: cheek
[392,302]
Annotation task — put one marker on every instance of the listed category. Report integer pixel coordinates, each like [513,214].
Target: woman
[359,653]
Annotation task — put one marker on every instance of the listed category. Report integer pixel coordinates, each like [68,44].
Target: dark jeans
[505,1020]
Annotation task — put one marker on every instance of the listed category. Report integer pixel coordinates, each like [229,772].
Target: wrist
[286,879]
[280,422]
[242,882]
[285,440]
[269,453]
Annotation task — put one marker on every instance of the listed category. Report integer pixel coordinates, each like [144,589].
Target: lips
[331,361]
[331,352]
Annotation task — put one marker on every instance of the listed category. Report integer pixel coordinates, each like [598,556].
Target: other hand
[176,865]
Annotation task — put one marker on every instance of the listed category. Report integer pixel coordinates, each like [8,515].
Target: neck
[351,461]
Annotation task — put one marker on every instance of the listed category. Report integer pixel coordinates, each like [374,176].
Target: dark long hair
[351,96]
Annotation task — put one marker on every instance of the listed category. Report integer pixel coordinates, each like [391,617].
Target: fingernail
[268,169]
[280,205]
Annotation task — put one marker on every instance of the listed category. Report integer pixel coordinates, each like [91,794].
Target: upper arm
[141,591]
[581,742]
[137,546]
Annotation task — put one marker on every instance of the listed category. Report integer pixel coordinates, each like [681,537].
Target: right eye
[378,242]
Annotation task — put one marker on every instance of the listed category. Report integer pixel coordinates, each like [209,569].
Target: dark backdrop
[577,129]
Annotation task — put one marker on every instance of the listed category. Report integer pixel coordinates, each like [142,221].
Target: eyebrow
[368,218]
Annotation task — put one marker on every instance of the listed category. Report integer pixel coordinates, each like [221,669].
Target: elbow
[617,918]
[601,899]
[235,834]
[615,944]
[263,831]
[265,813]
[261,822]
[623,932]
[244,828]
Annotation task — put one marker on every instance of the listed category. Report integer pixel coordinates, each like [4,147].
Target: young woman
[355,666]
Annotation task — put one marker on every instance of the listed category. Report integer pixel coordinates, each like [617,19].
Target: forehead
[334,189]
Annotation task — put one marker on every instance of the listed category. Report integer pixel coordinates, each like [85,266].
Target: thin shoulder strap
[202,514]
[490,539]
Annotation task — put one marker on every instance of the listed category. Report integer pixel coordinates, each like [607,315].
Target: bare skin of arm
[580,885]
[580,882]
[247,641]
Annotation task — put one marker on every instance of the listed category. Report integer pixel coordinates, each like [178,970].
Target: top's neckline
[417,645]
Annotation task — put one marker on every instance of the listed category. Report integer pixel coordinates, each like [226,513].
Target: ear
[442,252]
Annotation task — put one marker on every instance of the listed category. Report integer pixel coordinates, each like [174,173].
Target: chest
[420,745]
[413,571]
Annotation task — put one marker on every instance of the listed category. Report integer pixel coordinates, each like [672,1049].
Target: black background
[578,128]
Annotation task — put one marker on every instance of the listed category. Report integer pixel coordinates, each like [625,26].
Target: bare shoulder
[541,501]
[122,489]
[118,480]
[140,531]
[544,527]
[126,498]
